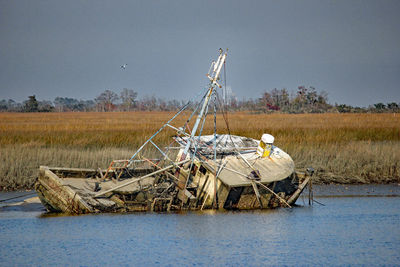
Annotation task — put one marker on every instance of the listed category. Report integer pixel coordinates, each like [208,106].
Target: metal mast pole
[215,71]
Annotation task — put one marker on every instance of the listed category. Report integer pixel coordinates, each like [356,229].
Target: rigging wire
[198,144]
[226,102]
[176,114]
[225,116]
[194,111]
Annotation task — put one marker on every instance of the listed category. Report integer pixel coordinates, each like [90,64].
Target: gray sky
[350,49]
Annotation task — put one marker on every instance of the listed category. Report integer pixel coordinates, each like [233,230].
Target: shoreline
[28,201]
[337,189]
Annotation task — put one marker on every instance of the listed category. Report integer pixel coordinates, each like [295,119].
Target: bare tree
[128,98]
[105,100]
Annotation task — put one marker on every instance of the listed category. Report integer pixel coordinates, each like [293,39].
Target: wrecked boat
[195,172]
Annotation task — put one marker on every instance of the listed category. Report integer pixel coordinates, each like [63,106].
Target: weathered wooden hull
[70,191]
[56,197]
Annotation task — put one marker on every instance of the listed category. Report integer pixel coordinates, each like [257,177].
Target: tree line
[303,100]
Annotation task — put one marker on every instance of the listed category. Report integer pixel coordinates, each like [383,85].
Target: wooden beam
[141,178]
[296,194]
[284,201]
[257,193]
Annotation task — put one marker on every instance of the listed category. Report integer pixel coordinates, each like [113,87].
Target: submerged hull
[73,191]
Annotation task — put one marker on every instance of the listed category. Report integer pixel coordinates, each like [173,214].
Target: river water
[356,225]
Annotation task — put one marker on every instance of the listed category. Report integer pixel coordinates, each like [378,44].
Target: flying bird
[124,66]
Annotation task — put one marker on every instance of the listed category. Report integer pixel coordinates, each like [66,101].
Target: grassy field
[342,148]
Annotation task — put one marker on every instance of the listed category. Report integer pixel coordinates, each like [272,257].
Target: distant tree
[323,98]
[45,106]
[105,101]
[13,106]
[3,105]
[393,107]
[173,104]
[148,103]
[67,104]
[359,110]
[380,107]
[305,100]
[342,108]
[87,105]
[299,102]
[31,105]
[233,103]
[128,98]
[269,100]
[62,104]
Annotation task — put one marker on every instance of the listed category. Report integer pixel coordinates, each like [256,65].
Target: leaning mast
[213,75]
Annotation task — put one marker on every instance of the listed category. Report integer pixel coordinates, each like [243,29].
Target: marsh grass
[20,163]
[343,148]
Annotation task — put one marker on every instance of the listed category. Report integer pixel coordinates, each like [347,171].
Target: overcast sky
[350,49]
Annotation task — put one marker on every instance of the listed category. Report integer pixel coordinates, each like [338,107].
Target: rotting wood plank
[71,193]
[140,178]
[65,191]
[297,193]
[68,169]
[198,198]
[57,199]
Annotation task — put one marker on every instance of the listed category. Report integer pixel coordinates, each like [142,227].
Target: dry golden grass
[342,147]
[122,129]
[20,163]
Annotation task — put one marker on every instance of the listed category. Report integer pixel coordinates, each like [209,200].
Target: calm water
[347,230]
